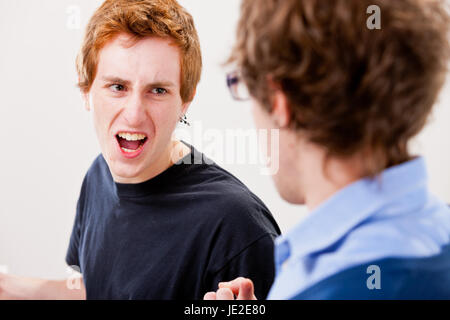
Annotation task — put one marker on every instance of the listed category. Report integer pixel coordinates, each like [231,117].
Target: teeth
[128,150]
[132,136]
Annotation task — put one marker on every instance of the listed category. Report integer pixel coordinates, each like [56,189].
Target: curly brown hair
[351,90]
[139,19]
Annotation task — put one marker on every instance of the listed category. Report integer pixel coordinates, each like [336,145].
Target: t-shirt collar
[155,184]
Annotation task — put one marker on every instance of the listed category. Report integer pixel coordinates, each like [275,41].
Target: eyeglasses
[237,87]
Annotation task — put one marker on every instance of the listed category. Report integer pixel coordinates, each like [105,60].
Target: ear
[280,109]
[86,101]
[186,105]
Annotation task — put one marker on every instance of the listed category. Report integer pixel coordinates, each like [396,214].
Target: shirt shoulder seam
[225,265]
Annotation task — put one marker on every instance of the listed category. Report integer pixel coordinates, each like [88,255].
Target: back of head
[352,90]
[139,19]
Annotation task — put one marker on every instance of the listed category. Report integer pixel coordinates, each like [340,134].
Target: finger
[209,296]
[233,285]
[246,290]
[224,294]
[229,285]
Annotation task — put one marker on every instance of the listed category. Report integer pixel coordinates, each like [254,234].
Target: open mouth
[131,142]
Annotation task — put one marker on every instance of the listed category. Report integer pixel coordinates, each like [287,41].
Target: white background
[48,141]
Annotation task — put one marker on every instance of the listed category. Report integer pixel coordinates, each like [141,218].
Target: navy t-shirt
[175,236]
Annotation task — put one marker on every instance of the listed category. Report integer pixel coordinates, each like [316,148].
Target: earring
[183,119]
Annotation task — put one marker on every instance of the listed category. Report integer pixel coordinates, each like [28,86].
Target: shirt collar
[349,207]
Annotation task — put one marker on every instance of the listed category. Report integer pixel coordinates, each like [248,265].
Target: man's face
[136,104]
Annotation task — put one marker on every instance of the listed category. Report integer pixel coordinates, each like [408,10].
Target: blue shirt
[392,216]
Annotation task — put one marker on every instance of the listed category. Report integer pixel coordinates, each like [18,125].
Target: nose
[134,111]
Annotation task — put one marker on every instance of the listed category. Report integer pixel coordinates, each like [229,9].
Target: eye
[159,91]
[117,87]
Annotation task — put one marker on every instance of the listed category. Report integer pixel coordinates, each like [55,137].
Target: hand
[242,288]
[20,288]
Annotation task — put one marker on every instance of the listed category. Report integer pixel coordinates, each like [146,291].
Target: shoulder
[398,278]
[97,179]
[98,172]
[230,201]
[98,168]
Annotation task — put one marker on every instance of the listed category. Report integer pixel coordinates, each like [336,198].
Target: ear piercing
[183,119]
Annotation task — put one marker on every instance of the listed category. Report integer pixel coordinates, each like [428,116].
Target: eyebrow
[157,83]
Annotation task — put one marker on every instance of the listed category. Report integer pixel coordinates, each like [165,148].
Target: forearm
[14,287]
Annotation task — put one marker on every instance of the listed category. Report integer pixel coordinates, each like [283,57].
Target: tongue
[132,145]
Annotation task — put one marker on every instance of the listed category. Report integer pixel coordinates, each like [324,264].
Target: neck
[175,151]
[320,178]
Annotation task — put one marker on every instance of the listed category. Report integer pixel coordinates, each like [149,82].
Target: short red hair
[139,19]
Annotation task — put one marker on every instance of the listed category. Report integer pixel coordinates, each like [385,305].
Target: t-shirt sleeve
[72,255]
[255,262]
